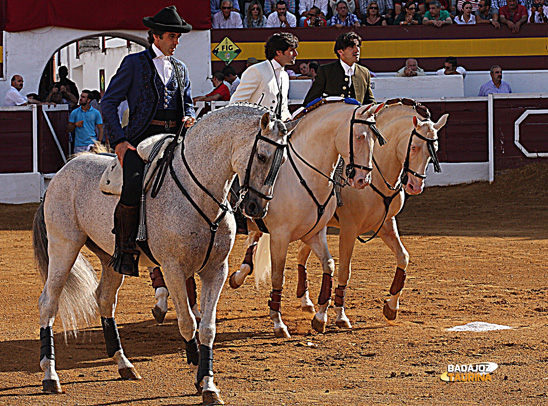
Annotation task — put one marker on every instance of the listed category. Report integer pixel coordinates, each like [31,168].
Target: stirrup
[126,262]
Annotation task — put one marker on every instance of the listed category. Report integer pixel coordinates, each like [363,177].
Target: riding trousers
[134,167]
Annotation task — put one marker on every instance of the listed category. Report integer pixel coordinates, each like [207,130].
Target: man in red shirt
[219,93]
[513,15]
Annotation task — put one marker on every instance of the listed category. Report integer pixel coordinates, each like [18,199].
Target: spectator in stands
[313,69]
[372,16]
[231,78]
[513,15]
[220,91]
[226,18]
[409,15]
[495,85]
[69,84]
[271,6]
[254,17]
[14,97]
[315,18]
[466,17]
[343,19]
[305,7]
[487,14]
[250,61]
[399,7]
[498,4]
[303,68]
[351,7]
[538,13]
[411,69]
[60,95]
[84,121]
[436,16]
[216,6]
[475,5]
[281,17]
[451,67]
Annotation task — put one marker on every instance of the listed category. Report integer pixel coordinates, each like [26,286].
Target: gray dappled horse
[187,233]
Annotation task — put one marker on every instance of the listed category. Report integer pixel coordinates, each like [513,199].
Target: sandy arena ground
[478,253]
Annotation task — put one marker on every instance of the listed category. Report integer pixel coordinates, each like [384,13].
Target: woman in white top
[466,16]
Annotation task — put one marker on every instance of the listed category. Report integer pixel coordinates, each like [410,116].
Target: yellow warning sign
[227,50]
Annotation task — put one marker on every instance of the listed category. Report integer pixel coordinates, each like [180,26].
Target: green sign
[227,50]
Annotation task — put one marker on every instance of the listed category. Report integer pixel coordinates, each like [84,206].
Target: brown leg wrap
[249,254]
[302,285]
[327,286]
[275,302]
[191,291]
[398,282]
[340,294]
[157,278]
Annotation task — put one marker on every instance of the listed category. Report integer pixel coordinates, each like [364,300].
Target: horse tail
[262,265]
[78,302]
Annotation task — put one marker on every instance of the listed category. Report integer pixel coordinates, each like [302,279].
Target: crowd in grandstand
[356,13]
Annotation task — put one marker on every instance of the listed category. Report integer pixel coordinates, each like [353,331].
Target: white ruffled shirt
[162,64]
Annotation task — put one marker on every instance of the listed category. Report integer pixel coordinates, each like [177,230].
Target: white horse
[400,165]
[189,231]
[303,196]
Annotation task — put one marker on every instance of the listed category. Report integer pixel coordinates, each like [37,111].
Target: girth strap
[387,200]
[319,207]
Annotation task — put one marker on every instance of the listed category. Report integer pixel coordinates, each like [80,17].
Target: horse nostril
[252,209]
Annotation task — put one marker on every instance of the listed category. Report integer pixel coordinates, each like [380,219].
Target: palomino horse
[188,232]
[400,165]
[304,195]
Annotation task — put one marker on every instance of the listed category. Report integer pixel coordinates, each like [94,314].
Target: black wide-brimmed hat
[167,20]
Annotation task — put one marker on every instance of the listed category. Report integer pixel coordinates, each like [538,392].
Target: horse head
[263,164]
[419,150]
[358,147]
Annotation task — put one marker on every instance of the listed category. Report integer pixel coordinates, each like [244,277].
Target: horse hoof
[198,388]
[281,333]
[51,386]
[343,323]
[159,314]
[232,281]
[129,374]
[388,312]
[318,325]
[211,398]
[308,309]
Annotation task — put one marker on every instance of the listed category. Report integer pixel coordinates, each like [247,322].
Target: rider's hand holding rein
[122,147]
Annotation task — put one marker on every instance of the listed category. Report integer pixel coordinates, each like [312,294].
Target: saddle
[150,150]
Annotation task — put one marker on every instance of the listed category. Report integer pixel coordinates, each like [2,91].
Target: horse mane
[259,107]
[320,102]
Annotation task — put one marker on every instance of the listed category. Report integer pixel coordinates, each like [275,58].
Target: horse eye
[261,158]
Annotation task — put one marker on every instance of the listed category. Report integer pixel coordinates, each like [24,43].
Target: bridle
[270,177]
[431,150]
[351,166]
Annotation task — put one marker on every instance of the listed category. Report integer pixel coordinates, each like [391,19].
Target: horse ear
[415,121]
[441,122]
[290,125]
[381,106]
[265,121]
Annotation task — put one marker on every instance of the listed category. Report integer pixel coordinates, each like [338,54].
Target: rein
[167,162]
[387,200]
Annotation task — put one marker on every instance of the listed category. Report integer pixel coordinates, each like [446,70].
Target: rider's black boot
[126,258]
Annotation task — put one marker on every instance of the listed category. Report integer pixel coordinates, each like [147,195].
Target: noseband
[431,150]
[351,166]
[272,174]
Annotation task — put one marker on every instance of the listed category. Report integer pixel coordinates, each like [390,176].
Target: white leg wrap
[209,385]
[321,315]
[306,303]
[162,295]
[121,360]
[394,301]
[48,366]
